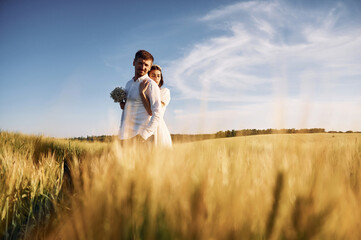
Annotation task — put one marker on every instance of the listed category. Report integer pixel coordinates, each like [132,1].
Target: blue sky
[228,64]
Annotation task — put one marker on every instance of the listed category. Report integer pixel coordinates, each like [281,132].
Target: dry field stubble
[299,186]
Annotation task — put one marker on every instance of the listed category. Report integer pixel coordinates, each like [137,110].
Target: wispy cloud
[235,9]
[268,50]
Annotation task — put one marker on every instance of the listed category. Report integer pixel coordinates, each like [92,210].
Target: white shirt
[135,119]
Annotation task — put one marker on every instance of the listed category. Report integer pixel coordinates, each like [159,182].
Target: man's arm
[122,104]
[153,94]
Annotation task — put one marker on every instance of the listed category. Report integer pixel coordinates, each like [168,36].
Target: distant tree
[220,134]
[292,130]
[228,133]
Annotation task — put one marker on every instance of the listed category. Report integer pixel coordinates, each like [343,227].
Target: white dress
[162,136]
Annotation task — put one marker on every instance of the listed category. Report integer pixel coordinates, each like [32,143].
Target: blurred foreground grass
[300,186]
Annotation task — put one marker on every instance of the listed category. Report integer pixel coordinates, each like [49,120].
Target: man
[136,124]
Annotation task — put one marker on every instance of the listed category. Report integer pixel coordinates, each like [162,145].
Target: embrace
[146,101]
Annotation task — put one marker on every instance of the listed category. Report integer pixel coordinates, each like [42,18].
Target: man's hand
[122,105]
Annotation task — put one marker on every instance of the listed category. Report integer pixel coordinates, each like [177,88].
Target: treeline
[102,138]
[244,132]
[175,138]
[220,134]
[247,132]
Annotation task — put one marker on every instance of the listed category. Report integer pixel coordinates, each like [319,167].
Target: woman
[162,136]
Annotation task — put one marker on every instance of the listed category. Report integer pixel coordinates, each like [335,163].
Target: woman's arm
[142,88]
[165,96]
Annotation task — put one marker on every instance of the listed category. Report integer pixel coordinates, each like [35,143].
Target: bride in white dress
[161,136]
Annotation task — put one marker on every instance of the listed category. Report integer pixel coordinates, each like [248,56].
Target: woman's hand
[143,86]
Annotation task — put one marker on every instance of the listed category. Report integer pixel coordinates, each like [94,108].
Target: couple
[142,117]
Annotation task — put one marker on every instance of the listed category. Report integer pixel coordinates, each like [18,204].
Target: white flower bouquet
[118,94]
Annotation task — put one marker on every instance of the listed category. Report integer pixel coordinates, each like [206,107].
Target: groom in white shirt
[136,124]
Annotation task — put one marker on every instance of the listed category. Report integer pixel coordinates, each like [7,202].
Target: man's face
[141,66]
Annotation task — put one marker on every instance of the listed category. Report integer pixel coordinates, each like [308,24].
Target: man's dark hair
[144,55]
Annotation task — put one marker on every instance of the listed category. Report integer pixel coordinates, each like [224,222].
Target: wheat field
[280,186]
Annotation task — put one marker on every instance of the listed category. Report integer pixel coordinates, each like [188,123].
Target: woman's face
[156,75]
